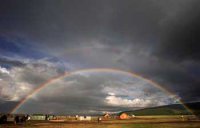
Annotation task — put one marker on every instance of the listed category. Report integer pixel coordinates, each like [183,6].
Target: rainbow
[67,74]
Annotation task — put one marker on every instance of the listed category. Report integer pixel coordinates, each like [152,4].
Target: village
[22,118]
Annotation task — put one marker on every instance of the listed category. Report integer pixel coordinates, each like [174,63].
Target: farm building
[124,116]
[85,118]
[19,118]
[38,117]
[106,116]
[60,118]
[41,117]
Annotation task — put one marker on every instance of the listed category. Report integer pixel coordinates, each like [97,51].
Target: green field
[137,122]
[164,125]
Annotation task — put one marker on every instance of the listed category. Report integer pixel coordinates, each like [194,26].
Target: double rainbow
[102,70]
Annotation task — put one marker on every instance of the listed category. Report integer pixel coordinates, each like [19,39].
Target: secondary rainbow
[67,74]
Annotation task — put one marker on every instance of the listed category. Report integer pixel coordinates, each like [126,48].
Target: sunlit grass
[137,122]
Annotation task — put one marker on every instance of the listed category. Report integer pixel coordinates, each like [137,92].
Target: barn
[123,116]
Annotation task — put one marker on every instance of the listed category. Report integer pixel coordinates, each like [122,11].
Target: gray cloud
[10,62]
[18,81]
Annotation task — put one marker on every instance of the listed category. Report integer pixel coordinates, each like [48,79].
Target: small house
[85,118]
[106,116]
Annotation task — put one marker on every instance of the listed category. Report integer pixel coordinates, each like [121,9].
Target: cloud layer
[18,81]
[95,92]
[157,39]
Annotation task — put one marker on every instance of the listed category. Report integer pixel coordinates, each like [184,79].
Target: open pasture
[137,122]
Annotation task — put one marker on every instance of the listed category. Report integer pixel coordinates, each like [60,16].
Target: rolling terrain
[175,109]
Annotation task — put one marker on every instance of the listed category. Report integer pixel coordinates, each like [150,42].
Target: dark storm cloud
[179,44]
[157,39]
[71,22]
[181,35]
[75,22]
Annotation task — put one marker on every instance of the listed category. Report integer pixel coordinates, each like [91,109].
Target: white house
[85,118]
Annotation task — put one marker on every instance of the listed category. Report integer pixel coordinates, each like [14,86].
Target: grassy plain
[137,122]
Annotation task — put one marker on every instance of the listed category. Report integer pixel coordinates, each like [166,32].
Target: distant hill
[174,109]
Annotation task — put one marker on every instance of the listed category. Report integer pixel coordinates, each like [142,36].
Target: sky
[41,39]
